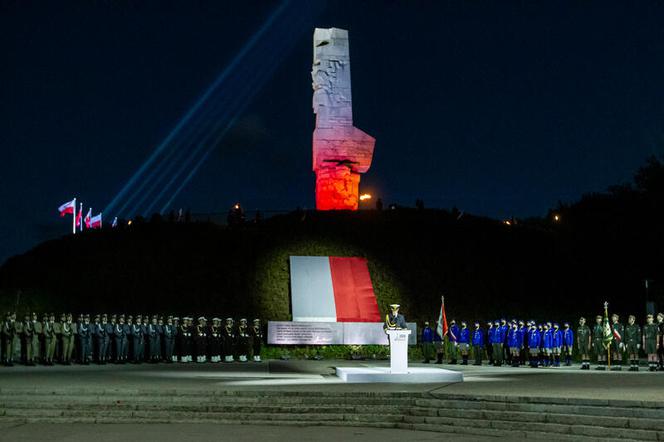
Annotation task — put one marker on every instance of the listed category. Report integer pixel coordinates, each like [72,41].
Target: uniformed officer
[36,338]
[26,340]
[215,340]
[57,328]
[228,340]
[533,345]
[85,339]
[439,344]
[464,342]
[243,340]
[618,342]
[523,333]
[504,329]
[496,339]
[145,343]
[169,340]
[453,339]
[257,340]
[478,343]
[583,343]
[200,340]
[67,339]
[120,339]
[568,344]
[129,339]
[650,342]
[153,338]
[187,339]
[137,341]
[547,344]
[160,335]
[598,343]
[427,343]
[394,319]
[18,333]
[8,333]
[111,351]
[49,338]
[632,340]
[99,329]
[513,341]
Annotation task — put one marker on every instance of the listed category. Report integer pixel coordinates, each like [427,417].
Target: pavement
[207,432]
[563,382]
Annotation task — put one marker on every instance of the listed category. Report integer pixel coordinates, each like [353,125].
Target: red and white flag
[68,207]
[332,289]
[87,218]
[95,221]
[79,217]
[442,320]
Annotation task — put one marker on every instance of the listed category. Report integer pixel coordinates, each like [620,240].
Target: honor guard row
[120,339]
[548,345]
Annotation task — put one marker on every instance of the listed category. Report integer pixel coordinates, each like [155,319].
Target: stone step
[644,411]
[546,417]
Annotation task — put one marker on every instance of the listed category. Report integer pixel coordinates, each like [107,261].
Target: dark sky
[500,108]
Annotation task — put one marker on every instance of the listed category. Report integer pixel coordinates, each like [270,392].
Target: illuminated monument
[341,152]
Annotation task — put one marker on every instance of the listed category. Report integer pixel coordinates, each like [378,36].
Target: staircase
[500,416]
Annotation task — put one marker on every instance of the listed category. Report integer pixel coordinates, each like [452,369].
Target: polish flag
[87,218]
[68,207]
[442,328]
[95,221]
[332,289]
[79,217]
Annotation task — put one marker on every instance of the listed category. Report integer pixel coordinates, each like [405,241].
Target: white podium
[398,350]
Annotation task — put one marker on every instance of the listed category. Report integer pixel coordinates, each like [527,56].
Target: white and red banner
[332,289]
[95,221]
[87,218]
[68,207]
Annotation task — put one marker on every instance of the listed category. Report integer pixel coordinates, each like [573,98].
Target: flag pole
[608,347]
[73,222]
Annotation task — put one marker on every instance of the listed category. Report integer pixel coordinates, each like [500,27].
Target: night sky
[499,108]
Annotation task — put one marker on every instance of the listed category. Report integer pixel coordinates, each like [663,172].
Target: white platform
[415,375]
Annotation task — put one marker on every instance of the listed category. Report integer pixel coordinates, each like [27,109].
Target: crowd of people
[520,343]
[120,339]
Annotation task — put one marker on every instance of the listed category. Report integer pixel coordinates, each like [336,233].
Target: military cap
[130,317]
[103,316]
[256,321]
[649,315]
[176,318]
[87,316]
[394,306]
[243,320]
[229,319]
[154,316]
[169,317]
[615,315]
[202,318]
[598,317]
[114,316]
[216,319]
[122,316]
[582,318]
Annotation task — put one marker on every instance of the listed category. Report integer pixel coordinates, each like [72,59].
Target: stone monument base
[415,375]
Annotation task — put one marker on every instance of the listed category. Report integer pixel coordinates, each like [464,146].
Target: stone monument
[341,152]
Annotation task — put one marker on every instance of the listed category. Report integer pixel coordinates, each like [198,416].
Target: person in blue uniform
[568,344]
[514,343]
[478,343]
[533,345]
[427,343]
[523,332]
[487,339]
[547,344]
[504,328]
[557,339]
[464,342]
[497,344]
[453,338]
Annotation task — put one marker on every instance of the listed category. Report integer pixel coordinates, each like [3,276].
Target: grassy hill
[486,269]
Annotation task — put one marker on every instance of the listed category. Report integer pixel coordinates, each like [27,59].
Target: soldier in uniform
[243,340]
[129,345]
[36,338]
[523,332]
[427,342]
[186,332]
[137,341]
[145,342]
[177,339]
[618,331]
[18,334]
[153,338]
[504,329]
[632,340]
[160,334]
[453,339]
[49,339]
[257,340]
[215,340]
[111,351]
[84,330]
[228,340]
[200,339]
[583,343]
[478,343]
[57,328]
[660,340]
[568,344]
[533,345]
[169,340]
[8,333]
[120,339]
[497,344]
[513,341]
[67,339]
[598,343]
[100,332]
[547,344]
[464,342]
[439,344]
[650,342]
[28,333]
